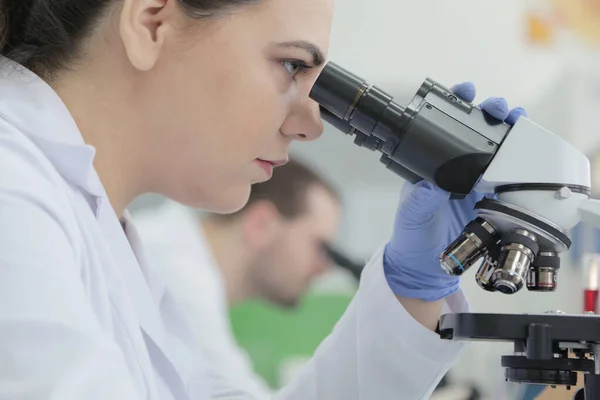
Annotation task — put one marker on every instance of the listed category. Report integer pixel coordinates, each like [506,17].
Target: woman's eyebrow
[313,49]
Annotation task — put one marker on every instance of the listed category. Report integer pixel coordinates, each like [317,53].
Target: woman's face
[227,96]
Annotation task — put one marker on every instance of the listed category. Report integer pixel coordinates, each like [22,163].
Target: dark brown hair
[46,35]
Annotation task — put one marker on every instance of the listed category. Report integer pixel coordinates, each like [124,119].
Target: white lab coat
[175,246]
[83,317]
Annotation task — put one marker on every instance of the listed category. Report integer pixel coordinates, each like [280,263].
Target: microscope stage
[574,328]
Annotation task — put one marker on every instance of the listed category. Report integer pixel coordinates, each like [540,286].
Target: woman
[103,100]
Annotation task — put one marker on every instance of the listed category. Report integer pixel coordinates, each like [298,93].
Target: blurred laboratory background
[543,55]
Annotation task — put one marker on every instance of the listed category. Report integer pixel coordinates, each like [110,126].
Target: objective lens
[486,271]
[543,275]
[469,247]
[517,253]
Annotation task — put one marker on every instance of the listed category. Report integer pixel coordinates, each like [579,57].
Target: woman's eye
[294,67]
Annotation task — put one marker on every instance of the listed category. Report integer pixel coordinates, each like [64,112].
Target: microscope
[537,188]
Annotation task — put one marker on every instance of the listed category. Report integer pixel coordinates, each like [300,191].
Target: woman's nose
[304,122]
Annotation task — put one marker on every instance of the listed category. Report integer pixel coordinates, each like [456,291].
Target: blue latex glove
[427,221]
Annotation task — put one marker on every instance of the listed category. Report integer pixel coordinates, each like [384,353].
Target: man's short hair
[287,189]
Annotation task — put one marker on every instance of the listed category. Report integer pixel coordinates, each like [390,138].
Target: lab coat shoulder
[42,285]
[30,183]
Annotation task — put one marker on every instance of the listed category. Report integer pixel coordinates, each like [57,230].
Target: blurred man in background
[272,249]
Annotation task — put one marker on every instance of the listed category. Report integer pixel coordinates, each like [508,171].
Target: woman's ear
[143,27]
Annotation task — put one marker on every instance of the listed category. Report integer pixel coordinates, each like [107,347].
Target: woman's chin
[219,200]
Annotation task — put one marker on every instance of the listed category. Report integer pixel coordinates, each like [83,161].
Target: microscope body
[540,183]
[536,184]
[538,171]
[536,187]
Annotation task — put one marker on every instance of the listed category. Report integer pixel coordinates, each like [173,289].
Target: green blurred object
[272,336]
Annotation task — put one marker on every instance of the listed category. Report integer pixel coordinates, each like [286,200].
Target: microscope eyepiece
[336,121]
[353,99]
[338,90]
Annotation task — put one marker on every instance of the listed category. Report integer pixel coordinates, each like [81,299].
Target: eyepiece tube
[364,106]
[338,90]
[336,121]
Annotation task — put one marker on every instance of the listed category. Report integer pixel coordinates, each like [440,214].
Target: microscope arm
[589,210]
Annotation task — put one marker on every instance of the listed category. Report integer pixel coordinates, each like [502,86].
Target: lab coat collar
[177,228]
[33,107]
[148,288]
[156,286]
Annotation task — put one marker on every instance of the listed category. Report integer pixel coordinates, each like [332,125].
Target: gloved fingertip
[431,187]
[493,196]
[426,198]
[515,114]
[466,91]
[497,107]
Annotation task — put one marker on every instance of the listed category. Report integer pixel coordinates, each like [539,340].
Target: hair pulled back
[46,35]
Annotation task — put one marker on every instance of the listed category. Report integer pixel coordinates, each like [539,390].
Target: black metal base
[516,327]
[592,387]
[548,348]
[558,371]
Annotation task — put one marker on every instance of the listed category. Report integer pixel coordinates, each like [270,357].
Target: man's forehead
[321,203]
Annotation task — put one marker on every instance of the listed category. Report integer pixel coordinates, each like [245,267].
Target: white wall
[397,43]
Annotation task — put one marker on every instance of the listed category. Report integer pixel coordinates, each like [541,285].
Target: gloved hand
[427,221]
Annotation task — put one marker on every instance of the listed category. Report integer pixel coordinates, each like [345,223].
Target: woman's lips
[267,165]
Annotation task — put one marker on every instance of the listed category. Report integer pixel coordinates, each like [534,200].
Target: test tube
[590,290]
